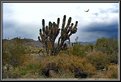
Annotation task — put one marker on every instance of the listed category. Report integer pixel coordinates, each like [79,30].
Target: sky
[25,19]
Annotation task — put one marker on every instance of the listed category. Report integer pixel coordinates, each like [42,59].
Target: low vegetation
[21,61]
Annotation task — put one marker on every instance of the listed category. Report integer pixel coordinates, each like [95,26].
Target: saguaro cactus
[48,34]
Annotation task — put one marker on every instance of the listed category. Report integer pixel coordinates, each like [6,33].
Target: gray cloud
[13,29]
[97,30]
[102,27]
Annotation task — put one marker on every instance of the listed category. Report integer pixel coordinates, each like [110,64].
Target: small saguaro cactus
[48,34]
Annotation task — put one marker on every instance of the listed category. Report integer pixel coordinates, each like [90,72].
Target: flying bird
[87,10]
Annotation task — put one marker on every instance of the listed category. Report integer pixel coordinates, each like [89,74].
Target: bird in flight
[87,10]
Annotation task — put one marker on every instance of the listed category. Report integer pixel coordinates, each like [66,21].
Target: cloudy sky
[24,19]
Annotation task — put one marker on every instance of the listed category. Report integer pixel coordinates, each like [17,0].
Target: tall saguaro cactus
[48,34]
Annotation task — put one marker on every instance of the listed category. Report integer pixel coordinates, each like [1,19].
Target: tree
[48,34]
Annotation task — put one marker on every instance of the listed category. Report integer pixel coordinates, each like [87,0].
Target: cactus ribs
[48,34]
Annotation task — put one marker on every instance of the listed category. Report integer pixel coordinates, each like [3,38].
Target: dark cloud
[103,29]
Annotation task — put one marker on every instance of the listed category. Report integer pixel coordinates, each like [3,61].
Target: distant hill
[26,42]
[34,43]
[84,43]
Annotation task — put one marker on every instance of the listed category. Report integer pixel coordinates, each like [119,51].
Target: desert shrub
[13,52]
[15,73]
[113,58]
[78,50]
[10,72]
[5,52]
[108,46]
[112,71]
[98,59]
[31,69]
[28,70]
[88,48]
[102,44]
[66,63]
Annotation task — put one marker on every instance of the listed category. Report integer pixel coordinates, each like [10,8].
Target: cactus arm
[48,34]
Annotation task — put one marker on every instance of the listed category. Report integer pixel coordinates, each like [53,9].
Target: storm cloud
[108,29]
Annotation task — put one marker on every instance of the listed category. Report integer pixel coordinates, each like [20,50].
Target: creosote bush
[112,71]
[98,59]
[67,63]
[78,50]
[13,52]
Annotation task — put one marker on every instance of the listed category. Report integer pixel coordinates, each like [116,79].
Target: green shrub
[98,59]
[113,58]
[13,52]
[108,46]
[78,50]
